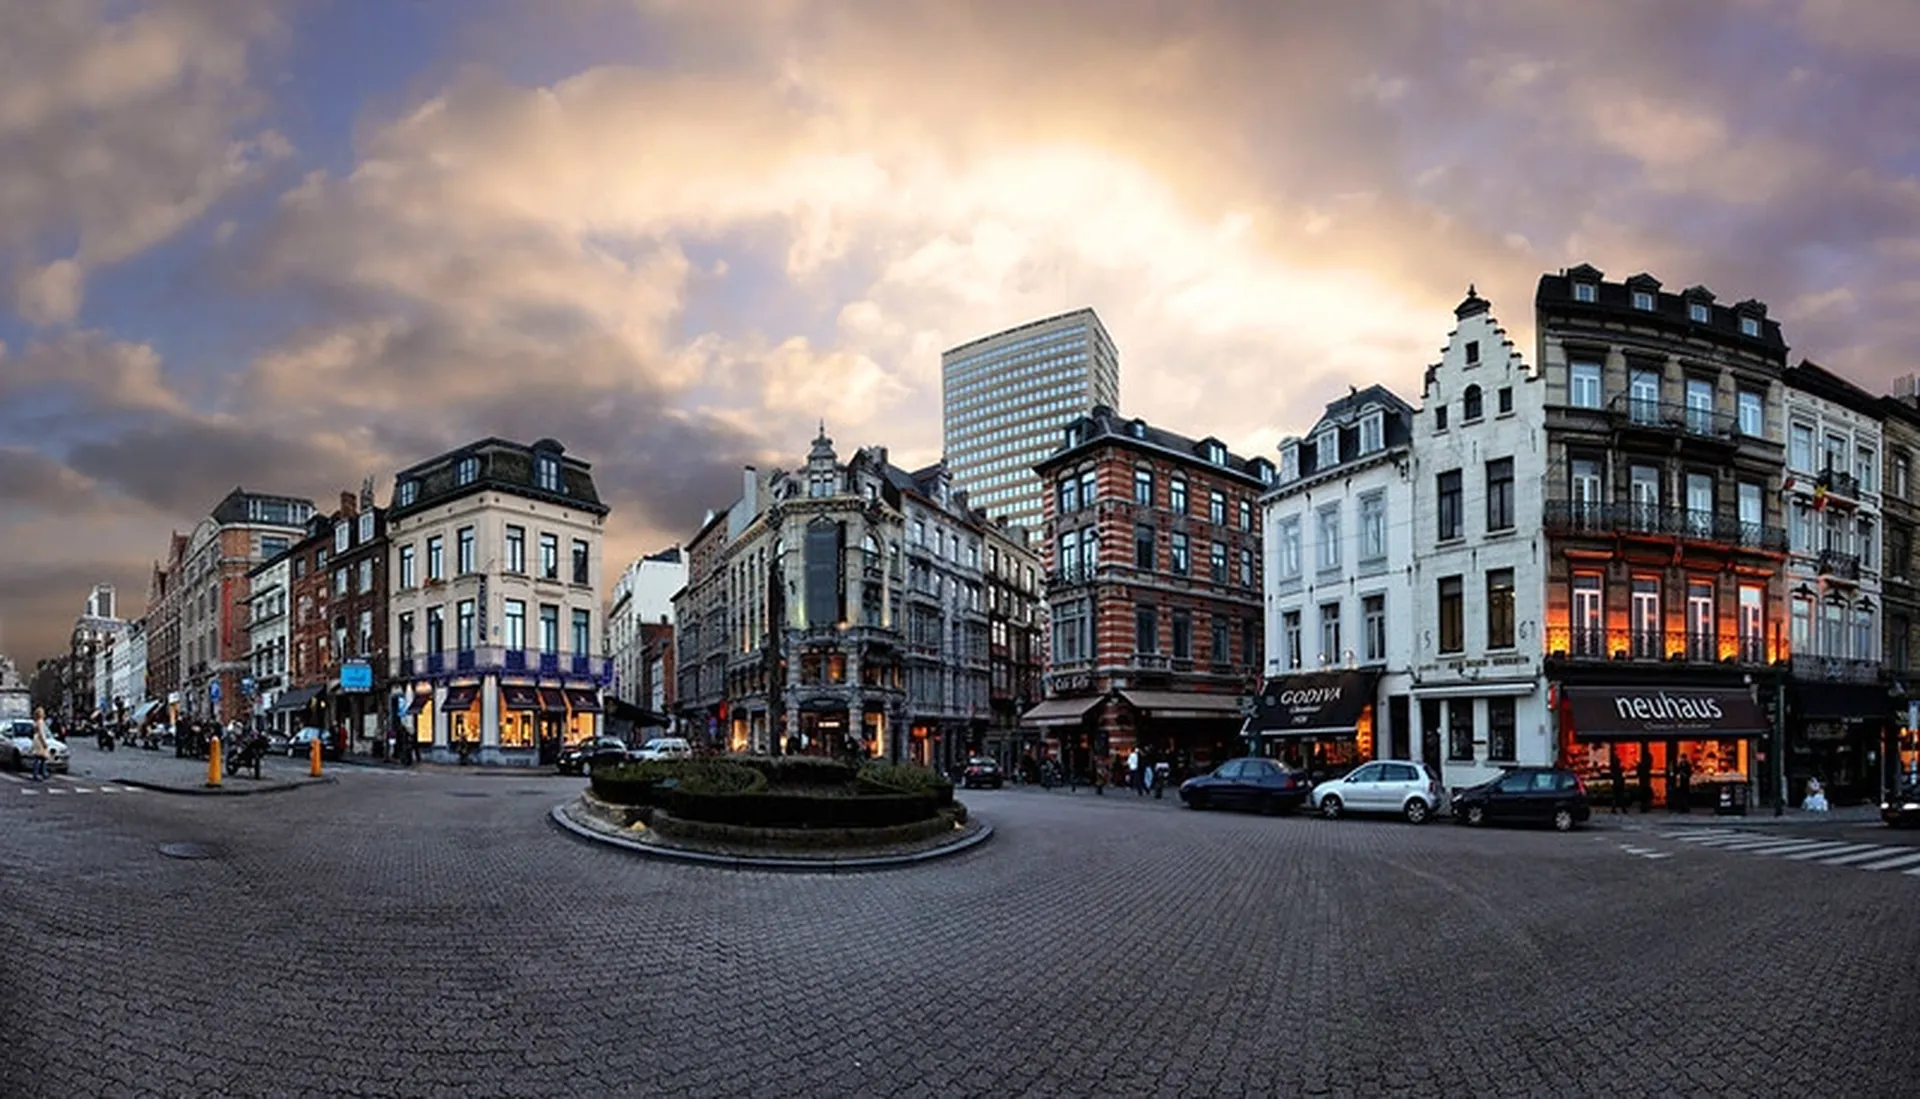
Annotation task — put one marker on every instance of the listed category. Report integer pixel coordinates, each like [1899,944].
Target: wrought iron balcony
[1840,483]
[1678,646]
[1151,661]
[1702,423]
[1835,669]
[493,659]
[1840,566]
[1585,517]
[1069,576]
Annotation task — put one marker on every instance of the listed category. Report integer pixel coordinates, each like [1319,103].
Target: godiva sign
[1657,713]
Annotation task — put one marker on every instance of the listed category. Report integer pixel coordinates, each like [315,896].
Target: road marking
[82,790]
[1696,833]
[1889,864]
[1828,848]
[1873,851]
[1751,843]
[25,790]
[1781,847]
[1723,841]
[56,790]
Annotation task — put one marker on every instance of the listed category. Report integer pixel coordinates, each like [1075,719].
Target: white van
[665,747]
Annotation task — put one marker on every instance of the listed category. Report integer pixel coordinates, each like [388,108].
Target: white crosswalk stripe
[1911,856]
[1873,857]
[1873,852]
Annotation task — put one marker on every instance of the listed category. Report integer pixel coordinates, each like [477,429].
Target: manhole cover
[188,851]
[466,793]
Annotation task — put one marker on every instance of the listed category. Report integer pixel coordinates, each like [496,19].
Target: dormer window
[1216,454]
[467,471]
[1585,292]
[366,526]
[546,471]
[1643,301]
[342,532]
[409,492]
[1373,433]
[1290,462]
[1750,326]
[1073,435]
[1470,405]
[1266,474]
[1699,312]
[1138,429]
[1326,449]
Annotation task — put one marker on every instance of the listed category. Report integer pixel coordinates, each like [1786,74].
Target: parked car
[1249,783]
[665,747]
[1396,786]
[598,754]
[16,747]
[300,747]
[981,771]
[1902,810]
[1526,795]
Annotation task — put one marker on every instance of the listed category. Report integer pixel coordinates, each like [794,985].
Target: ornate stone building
[1900,572]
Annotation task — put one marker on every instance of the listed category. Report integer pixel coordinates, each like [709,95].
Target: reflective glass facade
[1008,396]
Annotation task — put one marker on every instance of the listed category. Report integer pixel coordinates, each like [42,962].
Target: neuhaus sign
[1636,713]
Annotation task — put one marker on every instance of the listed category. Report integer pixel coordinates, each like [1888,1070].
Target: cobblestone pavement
[432,935]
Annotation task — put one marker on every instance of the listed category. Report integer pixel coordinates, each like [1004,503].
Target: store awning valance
[582,701]
[1313,704]
[143,711]
[621,710]
[519,696]
[1842,701]
[1171,705]
[552,701]
[295,698]
[1663,713]
[460,698]
[416,703]
[1060,711]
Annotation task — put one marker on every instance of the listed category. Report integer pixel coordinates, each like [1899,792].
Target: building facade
[495,561]
[1153,594]
[1480,580]
[90,656]
[642,604]
[163,628]
[1006,398]
[1338,544]
[243,530]
[270,587]
[1666,547]
[1016,619]
[1840,716]
[1900,573]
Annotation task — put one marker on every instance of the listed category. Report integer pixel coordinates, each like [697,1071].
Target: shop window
[1500,729]
[1460,730]
[516,728]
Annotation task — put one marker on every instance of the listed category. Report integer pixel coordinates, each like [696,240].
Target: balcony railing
[1840,566]
[491,658]
[1584,517]
[1681,646]
[1702,423]
[1840,483]
[1152,661]
[1835,669]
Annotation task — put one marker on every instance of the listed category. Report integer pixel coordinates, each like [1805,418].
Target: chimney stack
[349,504]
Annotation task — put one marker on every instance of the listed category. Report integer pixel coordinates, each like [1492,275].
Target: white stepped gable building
[1338,543]
[1479,575]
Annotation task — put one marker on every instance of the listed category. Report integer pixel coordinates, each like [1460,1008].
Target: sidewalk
[164,772]
[1760,817]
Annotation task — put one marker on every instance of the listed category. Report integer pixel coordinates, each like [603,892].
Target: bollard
[213,762]
[313,757]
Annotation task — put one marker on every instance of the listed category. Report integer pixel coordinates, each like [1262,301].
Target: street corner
[574,818]
[229,787]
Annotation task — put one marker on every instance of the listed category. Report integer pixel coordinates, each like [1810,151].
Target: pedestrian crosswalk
[1872,857]
[63,785]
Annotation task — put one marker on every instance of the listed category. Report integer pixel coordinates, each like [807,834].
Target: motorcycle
[105,740]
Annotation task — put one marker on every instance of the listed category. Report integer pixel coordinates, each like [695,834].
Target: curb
[558,815]
[222,792]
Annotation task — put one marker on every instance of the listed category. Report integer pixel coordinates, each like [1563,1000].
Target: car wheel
[1416,811]
[1330,807]
[1563,820]
[1476,816]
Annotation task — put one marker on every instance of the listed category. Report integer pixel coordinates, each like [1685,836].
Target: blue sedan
[1250,783]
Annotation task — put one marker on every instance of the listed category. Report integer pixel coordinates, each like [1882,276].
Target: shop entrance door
[549,741]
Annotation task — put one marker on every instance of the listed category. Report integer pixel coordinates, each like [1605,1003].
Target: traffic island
[805,814]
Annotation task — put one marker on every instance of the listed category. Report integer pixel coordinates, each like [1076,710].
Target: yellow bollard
[213,762]
[313,757]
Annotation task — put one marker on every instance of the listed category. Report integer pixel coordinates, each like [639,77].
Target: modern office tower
[1007,398]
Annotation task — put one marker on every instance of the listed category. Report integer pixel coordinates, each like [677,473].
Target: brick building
[1900,572]
[344,587]
[1153,593]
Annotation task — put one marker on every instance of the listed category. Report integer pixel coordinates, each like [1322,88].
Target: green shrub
[879,776]
[652,781]
[789,771]
[777,809]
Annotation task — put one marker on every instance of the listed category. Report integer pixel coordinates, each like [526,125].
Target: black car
[1250,783]
[597,754]
[1526,795]
[1903,809]
[982,772]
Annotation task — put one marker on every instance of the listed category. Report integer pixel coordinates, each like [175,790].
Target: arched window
[1470,402]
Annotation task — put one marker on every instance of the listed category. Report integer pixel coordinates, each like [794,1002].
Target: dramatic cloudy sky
[291,244]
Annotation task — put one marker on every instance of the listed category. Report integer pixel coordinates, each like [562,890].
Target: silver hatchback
[1397,786]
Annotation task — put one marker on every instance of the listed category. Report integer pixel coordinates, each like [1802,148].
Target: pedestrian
[1160,772]
[1134,778]
[1099,768]
[41,750]
[1618,777]
[1643,773]
[1683,784]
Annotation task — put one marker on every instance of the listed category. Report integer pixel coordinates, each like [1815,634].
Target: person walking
[1134,777]
[1618,777]
[41,750]
[1643,773]
[1683,784]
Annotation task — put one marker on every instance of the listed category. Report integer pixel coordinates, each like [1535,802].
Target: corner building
[1666,545]
[1900,576]
[1153,594]
[494,567]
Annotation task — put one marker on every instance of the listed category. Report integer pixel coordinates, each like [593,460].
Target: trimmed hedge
[879,776]
[799,770]
[774,809]
[653,781]
[803,839]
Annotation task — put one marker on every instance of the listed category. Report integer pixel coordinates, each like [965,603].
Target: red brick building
[338,589]
[1154,593]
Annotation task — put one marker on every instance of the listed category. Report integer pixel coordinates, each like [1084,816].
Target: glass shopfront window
[516,728]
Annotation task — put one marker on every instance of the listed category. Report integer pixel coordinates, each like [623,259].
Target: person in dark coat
[1617,775]
[1683,785]
[1643,773]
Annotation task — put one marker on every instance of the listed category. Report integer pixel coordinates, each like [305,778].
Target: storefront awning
[622,710]
[296,698]
[142,711]
[417,703]
[1663,713]
[1842,701]
[1060,711]
[460,698]
[552,701]
[1173,705]
[582,701]
[519,696]
[1313,704]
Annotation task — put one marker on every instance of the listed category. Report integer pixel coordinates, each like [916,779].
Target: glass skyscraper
[1008,396]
